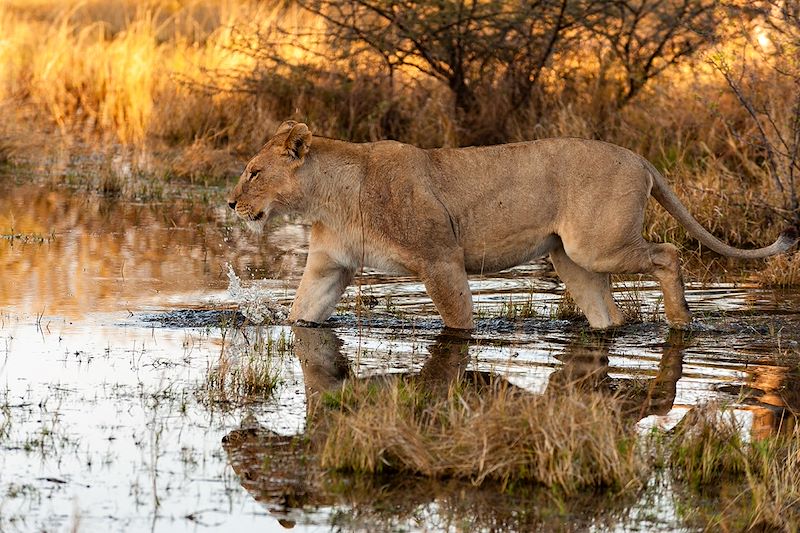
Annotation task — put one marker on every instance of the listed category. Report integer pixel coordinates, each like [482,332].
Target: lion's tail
[664,195]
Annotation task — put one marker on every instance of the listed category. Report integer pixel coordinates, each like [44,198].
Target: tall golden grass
[110,71]
[185,88]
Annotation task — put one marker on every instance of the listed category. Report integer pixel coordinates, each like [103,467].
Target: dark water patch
[196,318]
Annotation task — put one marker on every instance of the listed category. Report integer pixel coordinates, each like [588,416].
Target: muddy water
[112,313]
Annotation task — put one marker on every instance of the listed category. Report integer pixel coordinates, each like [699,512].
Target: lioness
[444,213]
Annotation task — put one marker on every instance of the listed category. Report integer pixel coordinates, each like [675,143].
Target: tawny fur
[442,214]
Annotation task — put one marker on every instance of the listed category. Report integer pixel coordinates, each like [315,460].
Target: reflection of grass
[5,418]
[756,484]
[248,369]
[5,151]
[385,503]
[27,238]
[568,441]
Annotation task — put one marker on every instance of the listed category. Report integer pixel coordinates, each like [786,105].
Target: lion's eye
[253,174]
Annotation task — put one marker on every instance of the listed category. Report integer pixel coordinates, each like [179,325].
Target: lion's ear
[285,127]
[298,141]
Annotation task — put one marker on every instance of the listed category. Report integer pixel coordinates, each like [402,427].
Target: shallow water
[112,314]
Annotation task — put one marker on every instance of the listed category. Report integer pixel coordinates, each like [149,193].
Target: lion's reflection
[280,472]
[585,365]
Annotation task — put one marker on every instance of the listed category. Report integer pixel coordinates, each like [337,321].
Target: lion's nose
[232,204]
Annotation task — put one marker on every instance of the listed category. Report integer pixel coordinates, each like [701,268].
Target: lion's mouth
[258,216]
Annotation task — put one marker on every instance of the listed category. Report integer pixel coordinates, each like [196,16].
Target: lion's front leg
[322,285]
[446,283]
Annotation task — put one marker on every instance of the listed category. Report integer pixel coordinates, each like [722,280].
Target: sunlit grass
[114,67]
[570,441]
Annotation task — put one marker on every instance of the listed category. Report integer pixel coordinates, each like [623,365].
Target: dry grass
[519,308]
[109,71]
[567,309]
[707,446]
[758,482]
[570,441]
[781,271]
[163,80]
[774,482]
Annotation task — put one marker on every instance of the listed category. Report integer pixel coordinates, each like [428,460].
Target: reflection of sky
[101,401]
[115,410]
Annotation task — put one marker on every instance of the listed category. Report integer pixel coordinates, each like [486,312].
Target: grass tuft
[781,271]
[567,309]
[707,446]
[758,482]
[248,370]
[570,441]
[521,308]
[773,478]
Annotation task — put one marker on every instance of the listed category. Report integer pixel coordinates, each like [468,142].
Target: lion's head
[269,185]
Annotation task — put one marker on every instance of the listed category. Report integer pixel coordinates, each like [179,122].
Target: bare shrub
[646,38]
[764,76]
[503,64]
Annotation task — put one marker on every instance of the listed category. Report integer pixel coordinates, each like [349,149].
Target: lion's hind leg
[639,257]
[666,267]
[590,290]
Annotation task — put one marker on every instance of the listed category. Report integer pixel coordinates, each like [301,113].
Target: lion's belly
[492,255]
[385,263]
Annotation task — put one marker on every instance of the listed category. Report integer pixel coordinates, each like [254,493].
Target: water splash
[255,304]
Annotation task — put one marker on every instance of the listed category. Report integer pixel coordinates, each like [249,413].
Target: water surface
[112,314]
